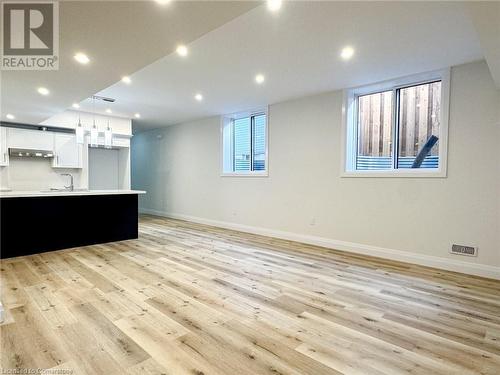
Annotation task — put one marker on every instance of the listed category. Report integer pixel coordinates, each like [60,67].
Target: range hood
[28,153]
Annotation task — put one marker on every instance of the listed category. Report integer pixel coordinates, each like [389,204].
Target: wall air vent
[103,98]
[464,250]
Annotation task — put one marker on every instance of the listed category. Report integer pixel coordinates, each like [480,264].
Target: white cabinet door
[121,142]
[30,139]
[67,153]
[4,151]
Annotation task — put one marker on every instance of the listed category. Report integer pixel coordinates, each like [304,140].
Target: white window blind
[244,147]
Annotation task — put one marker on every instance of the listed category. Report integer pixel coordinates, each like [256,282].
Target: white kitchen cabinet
[30,139]
[4,151]
[67,153]
[117,142]
[121,142]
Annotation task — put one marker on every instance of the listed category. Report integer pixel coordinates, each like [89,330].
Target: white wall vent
[464,250]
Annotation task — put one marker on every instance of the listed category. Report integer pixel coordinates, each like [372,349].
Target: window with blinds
[242,144]
[245,144]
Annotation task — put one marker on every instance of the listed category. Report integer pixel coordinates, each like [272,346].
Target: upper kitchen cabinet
[120,142]
[30,139]
[67,153]
[4,154]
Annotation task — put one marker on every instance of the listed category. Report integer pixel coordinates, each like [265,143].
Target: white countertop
[59,193]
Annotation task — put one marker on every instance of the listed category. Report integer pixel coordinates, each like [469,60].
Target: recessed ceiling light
[137,115]
[198,97]
[127,80]
[43,91]
[182,50]
[347,52]
[75,105]
[82,58]
[163,2]
[274,5]
[259,78]
[109,111]
[10,116]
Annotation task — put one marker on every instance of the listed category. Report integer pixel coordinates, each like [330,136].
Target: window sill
[394,174]
[251,174]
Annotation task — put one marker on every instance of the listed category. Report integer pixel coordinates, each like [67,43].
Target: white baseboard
[391,254]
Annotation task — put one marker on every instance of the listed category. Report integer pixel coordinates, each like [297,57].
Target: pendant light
[108,137]
[94,133]
[79,131]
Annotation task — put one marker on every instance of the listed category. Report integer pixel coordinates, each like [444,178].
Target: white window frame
[349,126]
[226,121]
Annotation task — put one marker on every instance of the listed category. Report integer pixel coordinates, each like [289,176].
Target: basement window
[244,144]
[397,128]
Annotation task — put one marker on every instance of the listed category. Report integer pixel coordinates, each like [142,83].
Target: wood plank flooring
[191,299]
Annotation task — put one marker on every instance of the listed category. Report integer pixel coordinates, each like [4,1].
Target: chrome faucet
[71,187]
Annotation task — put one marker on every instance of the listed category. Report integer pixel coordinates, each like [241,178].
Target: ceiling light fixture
[274,5]
[109,111]
[259,78]
[94,132]
[108,137]
[79,132]
[182,50]
[347,53]
[43,91]
[127,80]
[10,116]
[137,115]
[198,97]
[75,105]
[82,58]
[163,2]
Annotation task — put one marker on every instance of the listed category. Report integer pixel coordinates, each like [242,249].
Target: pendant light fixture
[79,131]
[94,133]
[108,137]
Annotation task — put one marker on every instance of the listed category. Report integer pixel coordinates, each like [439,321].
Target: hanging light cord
[93,110]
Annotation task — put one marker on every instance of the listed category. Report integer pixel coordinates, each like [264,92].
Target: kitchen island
[34,222]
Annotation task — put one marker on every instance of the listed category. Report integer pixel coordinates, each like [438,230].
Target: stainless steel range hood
[27,153]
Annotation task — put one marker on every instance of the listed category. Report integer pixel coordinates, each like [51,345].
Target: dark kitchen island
[36,222]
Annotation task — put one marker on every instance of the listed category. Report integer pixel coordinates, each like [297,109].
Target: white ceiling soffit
[120,37]
[297,49]
[486,19]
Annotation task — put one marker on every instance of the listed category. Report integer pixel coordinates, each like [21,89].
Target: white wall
[413,219]
[37,174]
[103,169]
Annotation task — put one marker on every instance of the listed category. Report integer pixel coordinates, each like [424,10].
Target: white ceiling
[297,49]
[486,19]
[120,37]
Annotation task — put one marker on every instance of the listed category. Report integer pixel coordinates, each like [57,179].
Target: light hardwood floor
[192,299]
